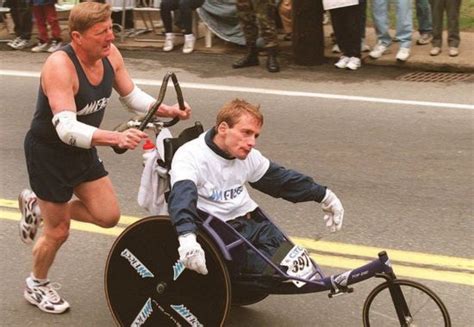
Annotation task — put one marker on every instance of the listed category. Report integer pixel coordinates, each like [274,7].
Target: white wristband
[137,101]
[71,131]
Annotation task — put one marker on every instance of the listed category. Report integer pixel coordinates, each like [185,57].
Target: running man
[60,147]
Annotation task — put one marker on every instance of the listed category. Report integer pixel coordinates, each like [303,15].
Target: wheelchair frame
[146,284]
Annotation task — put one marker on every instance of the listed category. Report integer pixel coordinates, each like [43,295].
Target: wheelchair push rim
[145,284]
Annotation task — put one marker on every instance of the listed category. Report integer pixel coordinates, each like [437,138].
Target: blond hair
[86,14]
[231,112]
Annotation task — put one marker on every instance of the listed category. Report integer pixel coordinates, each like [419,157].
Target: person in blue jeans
[423,16]
[404,28]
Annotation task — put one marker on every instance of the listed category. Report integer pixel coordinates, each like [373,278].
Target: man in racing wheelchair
[208,176]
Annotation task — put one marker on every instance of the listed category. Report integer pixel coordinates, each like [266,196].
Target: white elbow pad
[71,131]
[137,101]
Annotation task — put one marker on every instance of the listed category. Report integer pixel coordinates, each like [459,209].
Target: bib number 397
[299,265]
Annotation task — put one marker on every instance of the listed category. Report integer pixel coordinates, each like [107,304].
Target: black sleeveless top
[90,100]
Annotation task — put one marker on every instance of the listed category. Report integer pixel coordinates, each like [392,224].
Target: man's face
[97,40]
[241,138]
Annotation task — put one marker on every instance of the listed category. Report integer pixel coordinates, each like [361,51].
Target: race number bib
[299,265]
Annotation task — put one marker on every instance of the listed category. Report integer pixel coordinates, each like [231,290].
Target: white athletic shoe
[435,51]
[453,51]
[342,62]
[403,54]
[378,51]
[40,47]
[44,296]
[189,41]
[30,215]
[169,42]
[13,43]
[20,44]
[353,63]
[55,45]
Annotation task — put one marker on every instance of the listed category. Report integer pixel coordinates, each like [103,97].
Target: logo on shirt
[94,106]
[229,194]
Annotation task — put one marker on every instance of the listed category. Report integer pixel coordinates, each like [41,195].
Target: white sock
[38,281]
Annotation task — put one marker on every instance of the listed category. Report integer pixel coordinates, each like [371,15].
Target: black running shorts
[55,169]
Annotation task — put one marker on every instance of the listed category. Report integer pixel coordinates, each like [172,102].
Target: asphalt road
[398,154]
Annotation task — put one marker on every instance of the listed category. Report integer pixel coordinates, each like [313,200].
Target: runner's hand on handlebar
[130,138]
[175,111]
[191,253]
[334,212]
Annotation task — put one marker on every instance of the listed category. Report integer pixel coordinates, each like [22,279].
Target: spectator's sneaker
[15,41]
[453,52]
[424,39]
[335,49]
[30,215]
[342,62]
[353,63]
[189,41]
[44,296]
[55,45]
[169,42]
[378,51]
[435,51]
[21,44]
[40,47]
[403,54]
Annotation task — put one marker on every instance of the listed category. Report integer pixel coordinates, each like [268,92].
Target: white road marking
[228,88]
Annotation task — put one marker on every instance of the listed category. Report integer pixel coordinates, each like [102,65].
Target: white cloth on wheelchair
[155,181]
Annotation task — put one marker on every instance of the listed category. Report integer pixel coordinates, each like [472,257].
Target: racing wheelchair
[146,284]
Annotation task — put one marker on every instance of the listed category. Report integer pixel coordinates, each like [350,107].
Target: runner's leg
[55,232]
[97,203]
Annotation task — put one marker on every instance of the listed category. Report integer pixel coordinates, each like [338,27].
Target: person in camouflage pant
[258,16]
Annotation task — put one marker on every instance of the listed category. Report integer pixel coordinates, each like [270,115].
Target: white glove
[334,212]
[191,253]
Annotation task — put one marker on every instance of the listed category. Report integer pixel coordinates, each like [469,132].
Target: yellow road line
[336,257]
[395,255]
[8,203]
[77,225]
[400,270]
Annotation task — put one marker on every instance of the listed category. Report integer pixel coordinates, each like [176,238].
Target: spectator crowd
[260,20]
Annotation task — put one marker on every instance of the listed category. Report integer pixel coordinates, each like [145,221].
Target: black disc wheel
[146,284]
[423,306]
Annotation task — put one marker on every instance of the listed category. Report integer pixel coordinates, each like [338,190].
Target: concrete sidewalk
[420,58]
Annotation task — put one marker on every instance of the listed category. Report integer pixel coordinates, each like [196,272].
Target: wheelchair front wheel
[424,306]
[146,284]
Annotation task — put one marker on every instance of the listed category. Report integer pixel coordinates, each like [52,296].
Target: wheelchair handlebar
[152,111]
